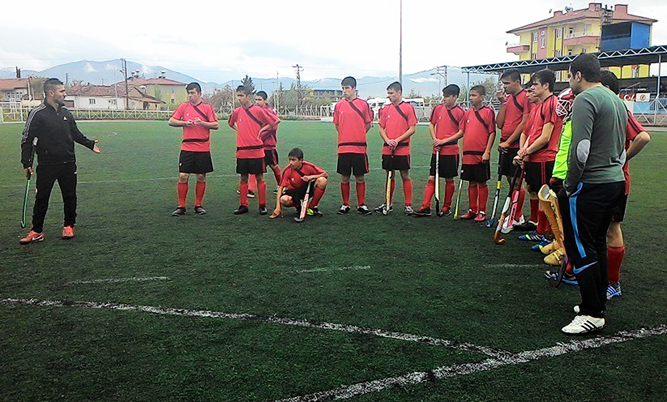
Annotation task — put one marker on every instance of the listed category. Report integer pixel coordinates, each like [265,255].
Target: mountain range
[107,72]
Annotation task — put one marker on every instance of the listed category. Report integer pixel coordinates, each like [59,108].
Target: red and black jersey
[546,113]
[269,137]
[248,123]
[447,122]
[478,125]
[631,132]
[195,138]
[516,107]
[351,117]
[396,120]
[292,178]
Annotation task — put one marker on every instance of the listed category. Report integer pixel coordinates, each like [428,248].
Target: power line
[298,70]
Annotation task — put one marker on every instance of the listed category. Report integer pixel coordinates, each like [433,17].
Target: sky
[221,40]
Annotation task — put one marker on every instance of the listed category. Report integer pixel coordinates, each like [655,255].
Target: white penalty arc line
[119,280]
[274,320]
[471,368]
[352,268]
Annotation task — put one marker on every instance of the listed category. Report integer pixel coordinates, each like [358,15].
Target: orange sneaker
[68,232]
[469,215]
[481,216]
[32,237]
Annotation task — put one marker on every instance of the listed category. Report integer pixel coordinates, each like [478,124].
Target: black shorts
[448,166]
[537,174]
[352,164]
[398,162]
[195,162]
[250,166]
[619,209]
[298,194]
[507,168]
[270,157]
[477,173]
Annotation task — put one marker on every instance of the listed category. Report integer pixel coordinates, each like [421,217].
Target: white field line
[274,320]
[352,268]
[120,280]
[514,265]
[471,368]
[174,178]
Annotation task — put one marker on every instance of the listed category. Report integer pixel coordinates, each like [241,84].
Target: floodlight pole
[657,91]
[400,43]
[468,91]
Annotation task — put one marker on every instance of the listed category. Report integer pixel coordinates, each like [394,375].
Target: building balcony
[517,48]
[581,38]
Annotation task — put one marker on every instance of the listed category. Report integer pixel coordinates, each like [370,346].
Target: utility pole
[127,92]
[276,97]
[441,71]
[400,45]
[298,69]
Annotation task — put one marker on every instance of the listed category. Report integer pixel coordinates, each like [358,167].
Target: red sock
[243,193]
[407,191]
[472,196]
[542,223]
[450,187]
[317,196]
[361,193]
[252,183]
[391,192]
[519,204]
[200,189]
[483,197]
[345,192]
[261,185]
[276,173]
[534,207]
[428,194]
[615,259]
[182,194]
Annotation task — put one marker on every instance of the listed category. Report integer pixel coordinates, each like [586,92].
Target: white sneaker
[583,324]
[409,210]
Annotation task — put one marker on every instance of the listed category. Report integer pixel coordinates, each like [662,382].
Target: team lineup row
[572,150]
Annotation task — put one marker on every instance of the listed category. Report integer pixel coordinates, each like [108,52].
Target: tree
[413,94]
[247,82]
[221,98]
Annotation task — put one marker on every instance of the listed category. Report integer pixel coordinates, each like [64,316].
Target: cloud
[89,68]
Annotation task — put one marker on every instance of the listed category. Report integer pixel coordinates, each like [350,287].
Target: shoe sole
[67,237]
[31,241]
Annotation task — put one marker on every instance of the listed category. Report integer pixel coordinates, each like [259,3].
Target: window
[559,33]
[583,51]
[112,102]
[570,32]
[534,36]
[543,42]
[569,52]
[91,101]
[533,56]
[558,53]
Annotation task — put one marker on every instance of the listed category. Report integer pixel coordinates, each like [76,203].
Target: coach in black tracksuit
[51,132]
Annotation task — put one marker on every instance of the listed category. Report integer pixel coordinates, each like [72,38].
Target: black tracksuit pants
[47,175]
[586,217]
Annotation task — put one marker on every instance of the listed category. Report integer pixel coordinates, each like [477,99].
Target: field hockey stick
[304,203]
[25,200]
[437,181]
[390,176]
[506,208]
[458,196]
[515,203]
[499,184]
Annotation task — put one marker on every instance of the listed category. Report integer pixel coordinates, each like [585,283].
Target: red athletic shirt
[476,132]
[546,113]
[631,132]
[516,107]
[396,124]
[269,136]
[291,178]
[445,126]
[248,143]
[195,138]
[351,117]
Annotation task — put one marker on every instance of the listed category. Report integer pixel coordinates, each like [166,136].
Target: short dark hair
[588,65]
[545,76]
[609,79]
[193,85]
[396,86]
[479,89]
[246,90]
[262,94]
[295,153]
[512,74]
[451,90]
[51,84]
[349,81]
